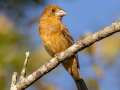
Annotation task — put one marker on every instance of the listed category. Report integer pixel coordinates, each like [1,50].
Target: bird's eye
[53,10]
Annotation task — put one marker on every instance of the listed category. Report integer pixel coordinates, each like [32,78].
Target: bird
[56,38]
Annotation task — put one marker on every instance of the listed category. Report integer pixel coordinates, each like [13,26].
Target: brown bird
[56,38]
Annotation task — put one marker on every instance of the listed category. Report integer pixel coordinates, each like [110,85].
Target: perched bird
[56,38]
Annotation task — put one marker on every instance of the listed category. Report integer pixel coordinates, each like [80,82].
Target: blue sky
[83,16]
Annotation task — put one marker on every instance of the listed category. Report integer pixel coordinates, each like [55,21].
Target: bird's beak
[60,13]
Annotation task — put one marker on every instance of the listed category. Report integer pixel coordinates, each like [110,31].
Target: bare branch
[23,72]
[14,81]
[79,45]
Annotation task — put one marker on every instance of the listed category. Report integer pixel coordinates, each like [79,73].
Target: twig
[79,45]
[14,81]
[23,72]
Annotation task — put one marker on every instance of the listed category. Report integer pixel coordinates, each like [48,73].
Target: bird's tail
[72,67]
[81,84]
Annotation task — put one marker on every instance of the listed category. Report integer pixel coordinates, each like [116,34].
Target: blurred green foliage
[13,45]
[15,8]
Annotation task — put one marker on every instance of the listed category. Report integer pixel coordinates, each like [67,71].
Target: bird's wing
[67,35]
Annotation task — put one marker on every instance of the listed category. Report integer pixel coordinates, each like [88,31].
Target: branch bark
[78,46]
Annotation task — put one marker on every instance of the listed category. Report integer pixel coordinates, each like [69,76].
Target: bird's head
[54,10]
